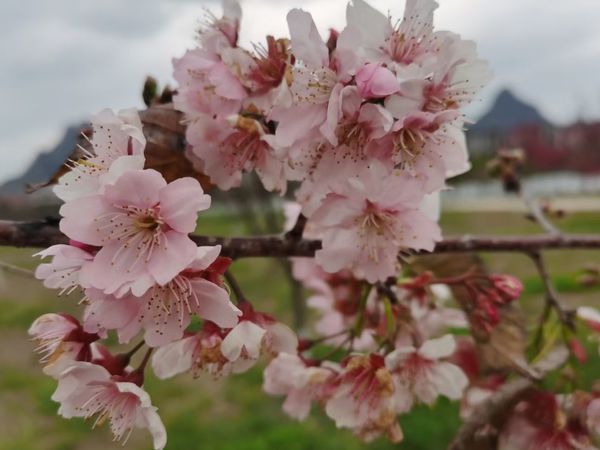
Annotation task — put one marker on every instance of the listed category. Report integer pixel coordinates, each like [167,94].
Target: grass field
[233,413]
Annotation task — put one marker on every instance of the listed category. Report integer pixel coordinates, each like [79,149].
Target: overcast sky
[65,59]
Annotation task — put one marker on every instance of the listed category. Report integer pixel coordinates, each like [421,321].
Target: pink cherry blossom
[87,390]
[256,333]
[165,311]
[289,375]
[64,272]
[117,145]
[364,400]
[230,147]
[434,317]
[141,223]
[458,74]
[421,375]
[61,340]
[222,33]
[368,219]
[207,75]
[314,84]
[202,78]
[427,145]
[220,351]
[370,35]
[196,353]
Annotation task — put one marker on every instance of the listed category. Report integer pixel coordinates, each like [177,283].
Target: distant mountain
[45,165]
[507,113]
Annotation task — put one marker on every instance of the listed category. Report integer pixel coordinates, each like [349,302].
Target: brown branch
[43,234]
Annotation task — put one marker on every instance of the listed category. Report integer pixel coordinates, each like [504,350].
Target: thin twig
[235,287]
[16,270]
[537,214]
[134,350]
[551,296]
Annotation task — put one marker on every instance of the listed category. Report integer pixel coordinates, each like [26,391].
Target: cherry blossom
[64,272]
[368,219]
[86,390]
[289,375]
[421,374]
[368,123]
[196,353]
[256,333]
[365,399]
[141,223]
[61,340]
[164,312]
[221,351]
[229,147]
[222,33]
[316,90]
[117,145]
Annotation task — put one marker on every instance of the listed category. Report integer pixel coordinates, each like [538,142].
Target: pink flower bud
[509,287]
[375,81]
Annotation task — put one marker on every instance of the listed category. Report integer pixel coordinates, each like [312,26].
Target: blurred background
[66,59]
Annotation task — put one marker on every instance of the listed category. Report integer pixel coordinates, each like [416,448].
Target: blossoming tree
[366,126]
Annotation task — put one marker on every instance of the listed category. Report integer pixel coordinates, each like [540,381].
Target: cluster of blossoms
[401,350]
[368,122]
[131,255]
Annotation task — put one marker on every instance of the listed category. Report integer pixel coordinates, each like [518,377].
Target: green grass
[234,414]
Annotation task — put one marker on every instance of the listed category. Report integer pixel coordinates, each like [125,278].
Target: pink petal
[136,188]
[171,258]
[180,202]
[375,81]
[174,358]
[307,44]
[246,335]
[214,304]
[79,216]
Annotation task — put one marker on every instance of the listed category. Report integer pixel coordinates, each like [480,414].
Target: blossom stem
[144,362]
[134,350]
[295,233]
[235,288]
[552,301]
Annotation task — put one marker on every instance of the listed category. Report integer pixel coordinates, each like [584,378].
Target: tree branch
[45,233]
